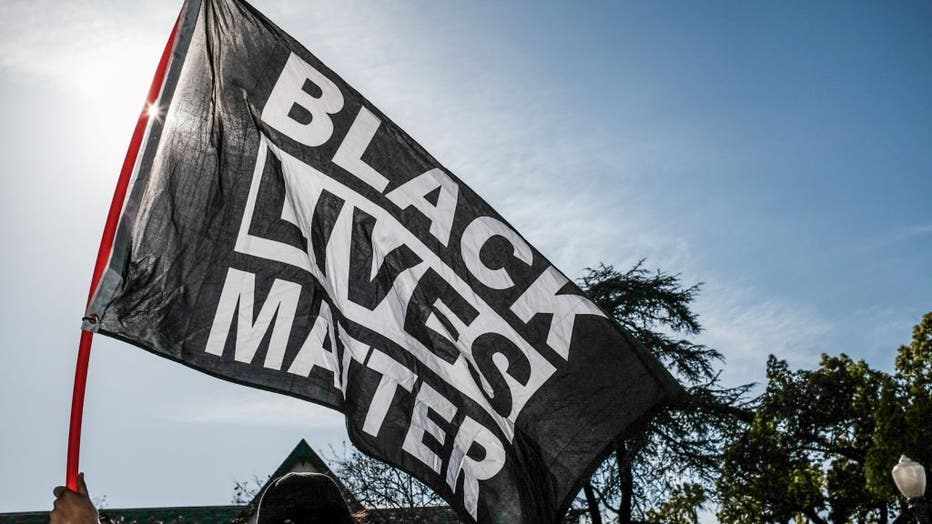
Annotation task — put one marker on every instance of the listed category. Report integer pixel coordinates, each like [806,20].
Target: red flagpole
[103,257]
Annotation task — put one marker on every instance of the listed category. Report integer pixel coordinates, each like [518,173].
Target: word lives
[387,277]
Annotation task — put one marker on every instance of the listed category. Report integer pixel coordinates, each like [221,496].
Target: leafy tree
[903,412]
[803,457]
[664,468]
[682,506]
[685,441]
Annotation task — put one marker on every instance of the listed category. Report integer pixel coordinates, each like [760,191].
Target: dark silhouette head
[303,498]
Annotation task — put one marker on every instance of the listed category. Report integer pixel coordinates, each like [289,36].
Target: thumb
[82,486]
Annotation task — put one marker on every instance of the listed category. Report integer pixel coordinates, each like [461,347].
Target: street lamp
[910,479]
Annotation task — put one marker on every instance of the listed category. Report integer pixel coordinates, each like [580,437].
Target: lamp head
[910,478]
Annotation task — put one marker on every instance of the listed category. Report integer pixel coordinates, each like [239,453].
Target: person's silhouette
[303,498]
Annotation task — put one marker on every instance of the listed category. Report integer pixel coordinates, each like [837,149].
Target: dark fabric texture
[303,498]
[283,233]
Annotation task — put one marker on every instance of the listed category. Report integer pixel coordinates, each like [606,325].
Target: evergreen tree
[683,442]
[663,471]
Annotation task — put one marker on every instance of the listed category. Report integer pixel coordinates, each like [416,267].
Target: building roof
[302,459]
[177,515]
[187,515]
[428,515]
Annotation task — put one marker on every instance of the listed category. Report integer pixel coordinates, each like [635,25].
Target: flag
[281,232]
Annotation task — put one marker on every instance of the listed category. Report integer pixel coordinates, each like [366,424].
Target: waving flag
[280,232]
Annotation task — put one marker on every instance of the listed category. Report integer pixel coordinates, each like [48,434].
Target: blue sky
[779,152]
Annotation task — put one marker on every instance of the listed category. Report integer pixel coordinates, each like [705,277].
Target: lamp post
[910,479]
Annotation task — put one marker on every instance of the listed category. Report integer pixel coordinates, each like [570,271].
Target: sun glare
[153,111]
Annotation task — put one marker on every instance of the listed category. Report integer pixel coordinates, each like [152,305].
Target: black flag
[281,232]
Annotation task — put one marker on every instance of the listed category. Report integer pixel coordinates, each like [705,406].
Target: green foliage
[914,362]
[682,507]
[683,442]
[823,441]
[655,308]
[804,455]
[890,441]
[914,381]
[766,477]
[902,420]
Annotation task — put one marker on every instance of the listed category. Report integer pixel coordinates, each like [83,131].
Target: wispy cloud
[875,333]
[892,237]
[747,328]
[537,165]
[913,231]
[253,408]
[543,167]
[80,44]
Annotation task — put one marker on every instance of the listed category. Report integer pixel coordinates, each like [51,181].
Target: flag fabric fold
[281,232]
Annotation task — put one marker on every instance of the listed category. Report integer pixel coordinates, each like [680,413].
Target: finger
[82,487]
[58,491]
